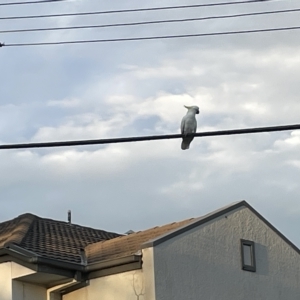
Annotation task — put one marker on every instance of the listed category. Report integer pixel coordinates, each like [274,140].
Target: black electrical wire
[29,2]
[132,10]
[152,37]
[149,138]
[151,22]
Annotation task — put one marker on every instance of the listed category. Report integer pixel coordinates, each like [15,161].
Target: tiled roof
[14,230]
[50,238]
[127,245]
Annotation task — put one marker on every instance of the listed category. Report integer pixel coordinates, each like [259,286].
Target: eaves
[80,272]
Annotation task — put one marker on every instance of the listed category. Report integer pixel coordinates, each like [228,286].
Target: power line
[29,2]
[151,22]
[149,138]
[152,37]
[132,10]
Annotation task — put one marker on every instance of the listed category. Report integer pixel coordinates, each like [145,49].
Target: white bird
[189,126]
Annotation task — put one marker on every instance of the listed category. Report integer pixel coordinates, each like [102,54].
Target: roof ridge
[27,214]
[33,216]
[33,220]
[19,228]
[67,223]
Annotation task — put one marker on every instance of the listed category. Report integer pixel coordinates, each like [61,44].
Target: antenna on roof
[129,232]
[69,216]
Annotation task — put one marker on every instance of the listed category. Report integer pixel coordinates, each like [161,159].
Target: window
[248,255]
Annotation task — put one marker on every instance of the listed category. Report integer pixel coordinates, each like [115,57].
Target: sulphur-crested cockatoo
[189,126]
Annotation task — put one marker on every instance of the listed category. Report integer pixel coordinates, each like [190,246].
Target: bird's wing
[195,126]
[182,125]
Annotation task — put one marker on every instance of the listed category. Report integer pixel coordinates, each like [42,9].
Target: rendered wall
[123,286]
[148,272]
[205,263]
[5,281]
[132,285]
[25,291]
[12,289]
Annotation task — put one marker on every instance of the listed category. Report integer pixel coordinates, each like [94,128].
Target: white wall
[12,289]
[123,286]
[5,281]
[205,263]
[148,272]
[132,285]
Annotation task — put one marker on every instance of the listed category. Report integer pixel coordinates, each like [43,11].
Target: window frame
[246,267]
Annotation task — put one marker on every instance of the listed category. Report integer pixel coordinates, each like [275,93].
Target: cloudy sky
[104,90]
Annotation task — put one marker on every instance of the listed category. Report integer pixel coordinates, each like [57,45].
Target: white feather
[189,126]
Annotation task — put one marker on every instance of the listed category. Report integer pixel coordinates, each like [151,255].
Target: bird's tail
[185,144]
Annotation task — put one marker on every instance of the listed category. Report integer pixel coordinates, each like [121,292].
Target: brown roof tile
[127,245]
[50,238]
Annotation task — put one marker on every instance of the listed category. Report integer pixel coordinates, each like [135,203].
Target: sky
[137,88]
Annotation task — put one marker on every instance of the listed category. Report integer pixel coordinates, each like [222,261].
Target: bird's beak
[197,112]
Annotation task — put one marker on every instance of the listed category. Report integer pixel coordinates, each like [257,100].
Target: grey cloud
[136,88]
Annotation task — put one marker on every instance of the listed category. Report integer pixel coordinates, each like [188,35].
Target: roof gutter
[114,266]
[33,258]
[79,272]
[58,292]
[113,262]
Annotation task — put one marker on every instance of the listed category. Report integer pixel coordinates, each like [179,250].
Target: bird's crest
[195,108]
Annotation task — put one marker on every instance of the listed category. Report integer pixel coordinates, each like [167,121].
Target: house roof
[59,243]
[123,246]
[213,215]
[133,243]
[50,238]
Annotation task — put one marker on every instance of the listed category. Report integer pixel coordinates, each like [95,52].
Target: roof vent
[129,232]
[69,216]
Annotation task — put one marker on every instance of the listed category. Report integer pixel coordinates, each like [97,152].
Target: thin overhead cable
[149,138]
[151,22]
[132,10]
[29,2]
[152,37]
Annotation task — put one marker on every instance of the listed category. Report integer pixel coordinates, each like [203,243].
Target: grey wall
[205,263]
